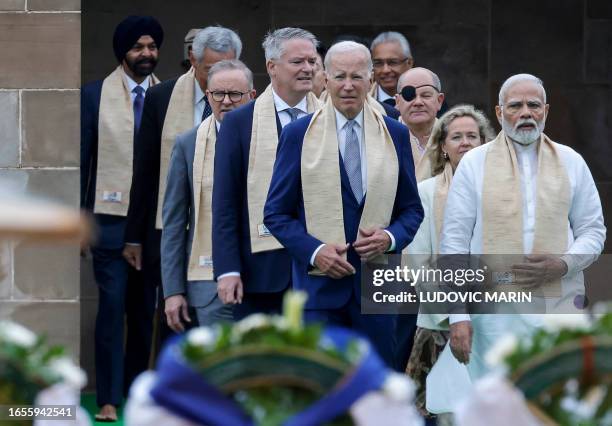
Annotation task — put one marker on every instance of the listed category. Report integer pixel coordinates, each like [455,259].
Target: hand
[175,308]
[230,289]
[329,260]
[538,269]
[461,340]
[375,241]
[133,254]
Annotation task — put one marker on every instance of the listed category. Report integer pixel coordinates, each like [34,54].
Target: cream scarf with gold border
[262,154]
[200,260]
[115,144]
[179,119]
[320,172]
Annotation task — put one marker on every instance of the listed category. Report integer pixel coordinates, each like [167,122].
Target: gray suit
[177,235]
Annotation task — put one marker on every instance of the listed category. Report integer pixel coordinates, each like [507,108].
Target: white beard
[524,137]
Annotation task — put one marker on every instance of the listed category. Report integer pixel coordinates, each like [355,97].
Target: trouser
[124,298]
[267,303]
[214,312]
[379,329]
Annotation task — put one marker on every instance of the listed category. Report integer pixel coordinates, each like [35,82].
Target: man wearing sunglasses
[186,245]
[418,100]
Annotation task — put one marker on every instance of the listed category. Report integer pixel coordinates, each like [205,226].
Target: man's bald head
[417,77]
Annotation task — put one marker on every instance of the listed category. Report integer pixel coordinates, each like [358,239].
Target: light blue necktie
[293,113]
[352,159]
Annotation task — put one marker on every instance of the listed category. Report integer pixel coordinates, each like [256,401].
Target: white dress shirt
[462,228]
[281,107]
[132,85]
[381,95]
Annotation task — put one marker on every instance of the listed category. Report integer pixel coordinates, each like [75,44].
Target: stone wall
[40,47]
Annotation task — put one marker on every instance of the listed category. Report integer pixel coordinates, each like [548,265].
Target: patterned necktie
[137,105]
[352,159]
[390,101]
[293,113]
[207,109]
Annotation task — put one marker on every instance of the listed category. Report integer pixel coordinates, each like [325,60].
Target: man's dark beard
[141,67]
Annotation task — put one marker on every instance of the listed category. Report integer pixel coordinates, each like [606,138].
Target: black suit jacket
[145,181]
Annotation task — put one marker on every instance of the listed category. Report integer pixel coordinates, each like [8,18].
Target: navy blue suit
[330,299]
[122,290]
[265,275]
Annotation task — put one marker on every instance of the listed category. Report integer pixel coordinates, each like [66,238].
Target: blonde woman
[459,130]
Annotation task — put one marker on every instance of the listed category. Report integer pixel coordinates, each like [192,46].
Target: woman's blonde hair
[440,131]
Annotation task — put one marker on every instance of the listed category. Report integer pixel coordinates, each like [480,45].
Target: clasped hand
[330,258]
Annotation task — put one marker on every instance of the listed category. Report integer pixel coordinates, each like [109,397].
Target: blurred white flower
[252,322]
[502,348]
[70,374]
[557,322]
[398,387]
[201,336]
[17,334]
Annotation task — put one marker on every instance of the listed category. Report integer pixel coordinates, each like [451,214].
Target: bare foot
[108,413]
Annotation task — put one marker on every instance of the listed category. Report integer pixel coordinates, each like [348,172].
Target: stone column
[40,47]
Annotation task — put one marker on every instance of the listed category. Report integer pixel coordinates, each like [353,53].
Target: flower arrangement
[564,369]
[275,366]
[28,365]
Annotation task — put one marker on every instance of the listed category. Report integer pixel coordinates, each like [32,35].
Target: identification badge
[206,261]
[506,277]
[263,230]
[111,196]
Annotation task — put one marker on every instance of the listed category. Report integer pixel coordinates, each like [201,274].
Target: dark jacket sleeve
[175,217]
[228,191]
[90,104]
[143,193]
[285,196]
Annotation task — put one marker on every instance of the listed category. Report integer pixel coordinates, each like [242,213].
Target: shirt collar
[217,124]
[382,95]
[132,84]
[199,94]
[281,105]
[341,119]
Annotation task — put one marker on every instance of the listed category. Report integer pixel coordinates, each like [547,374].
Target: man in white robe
[522,112]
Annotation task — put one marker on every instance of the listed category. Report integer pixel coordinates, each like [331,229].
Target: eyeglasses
[234,97]
[391,63]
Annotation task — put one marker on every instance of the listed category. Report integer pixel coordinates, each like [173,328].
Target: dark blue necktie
[138,104]
[390,101]
[207,109]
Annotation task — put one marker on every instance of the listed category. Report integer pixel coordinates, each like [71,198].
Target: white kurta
[462,233]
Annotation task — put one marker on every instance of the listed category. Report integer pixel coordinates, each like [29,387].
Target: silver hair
[348,46]
[274,42]
[230,65]
[518,78]
[434,78]
[393,37]
[217,38]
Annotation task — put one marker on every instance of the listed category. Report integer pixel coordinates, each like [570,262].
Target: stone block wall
[40,47]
